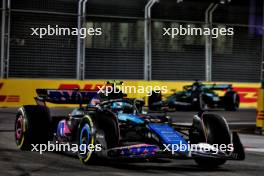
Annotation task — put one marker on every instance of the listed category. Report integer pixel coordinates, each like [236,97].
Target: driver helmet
[196,85]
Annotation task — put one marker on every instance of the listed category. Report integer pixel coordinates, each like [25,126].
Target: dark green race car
[198,96]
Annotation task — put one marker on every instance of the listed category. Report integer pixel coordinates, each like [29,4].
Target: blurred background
[119,53]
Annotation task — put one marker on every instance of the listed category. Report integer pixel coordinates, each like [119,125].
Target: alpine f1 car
[123,130]
[198,96]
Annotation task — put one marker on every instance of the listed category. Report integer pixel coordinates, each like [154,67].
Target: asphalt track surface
[16,162]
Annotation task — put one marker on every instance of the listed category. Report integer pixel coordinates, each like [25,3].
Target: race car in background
[122,130]
[198,97]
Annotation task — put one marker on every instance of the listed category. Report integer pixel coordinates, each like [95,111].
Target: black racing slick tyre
[107,122]
[32,126]
[198,101]
[231,101]
[153,99]
[99,131]
[215,131]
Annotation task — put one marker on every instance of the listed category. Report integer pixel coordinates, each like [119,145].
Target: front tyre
[198,101]
[100,132]
[153,101]
[215,131]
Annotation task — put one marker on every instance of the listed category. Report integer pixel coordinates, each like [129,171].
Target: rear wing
[64,96]
[218,86]
[213,86]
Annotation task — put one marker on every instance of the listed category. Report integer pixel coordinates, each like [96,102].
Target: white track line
[258,150]
[229,123]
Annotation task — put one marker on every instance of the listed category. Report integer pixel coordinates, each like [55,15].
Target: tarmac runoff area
[16,162]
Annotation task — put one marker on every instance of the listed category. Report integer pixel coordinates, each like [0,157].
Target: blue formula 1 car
[120,129]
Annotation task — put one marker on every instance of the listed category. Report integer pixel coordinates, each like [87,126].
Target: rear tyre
[215,131]
[231,101]
[32,126]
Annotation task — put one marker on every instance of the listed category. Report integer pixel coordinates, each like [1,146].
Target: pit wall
[17,92]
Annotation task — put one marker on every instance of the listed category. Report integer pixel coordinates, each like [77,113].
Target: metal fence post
[208,41]
[83,41]
[147,37]
[3,38]
[8,38]
[262,52]
[79,48]
[80,65]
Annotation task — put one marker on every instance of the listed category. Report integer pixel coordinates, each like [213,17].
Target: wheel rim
[85,139]
[85,135]
[19,131]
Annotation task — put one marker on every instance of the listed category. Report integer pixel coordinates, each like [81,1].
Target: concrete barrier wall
[17,92]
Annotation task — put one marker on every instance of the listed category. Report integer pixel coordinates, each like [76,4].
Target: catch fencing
[119,52]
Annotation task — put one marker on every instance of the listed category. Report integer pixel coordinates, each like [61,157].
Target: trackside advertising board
[17,92]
